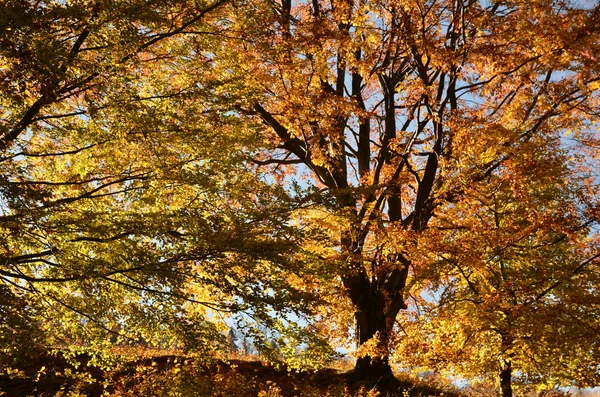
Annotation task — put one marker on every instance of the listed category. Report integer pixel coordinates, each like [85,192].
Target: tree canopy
[401,111]
[128,208]
[418,176]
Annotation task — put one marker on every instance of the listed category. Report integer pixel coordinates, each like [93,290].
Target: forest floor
[172,375]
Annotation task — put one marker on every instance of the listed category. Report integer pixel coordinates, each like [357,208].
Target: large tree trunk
[370,323]
[377,303]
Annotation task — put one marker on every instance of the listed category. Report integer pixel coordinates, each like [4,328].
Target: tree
[232,342]
[395,109]
[60,64]
[126,201]
[514,300]
[149,151]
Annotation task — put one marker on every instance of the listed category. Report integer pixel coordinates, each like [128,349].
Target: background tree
[394,109]
[517,266]
[232,342]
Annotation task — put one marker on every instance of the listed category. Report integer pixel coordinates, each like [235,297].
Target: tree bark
[506,366]
[506,379]
[376,311]
[370,322]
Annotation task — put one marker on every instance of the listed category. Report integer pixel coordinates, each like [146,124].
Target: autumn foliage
[412,179]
